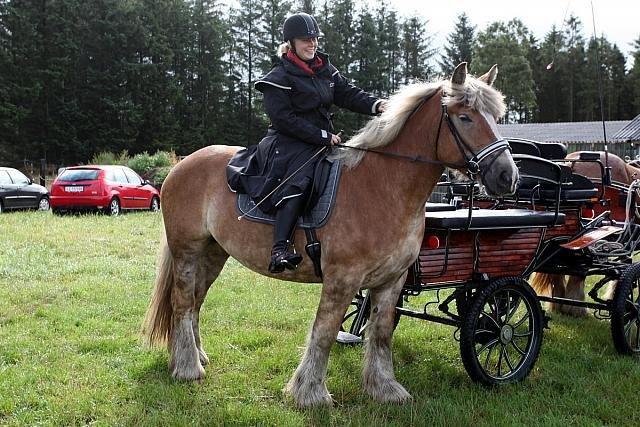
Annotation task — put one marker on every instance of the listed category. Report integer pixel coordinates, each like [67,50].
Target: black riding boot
[286,218]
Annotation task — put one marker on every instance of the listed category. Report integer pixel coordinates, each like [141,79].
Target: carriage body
[483,251]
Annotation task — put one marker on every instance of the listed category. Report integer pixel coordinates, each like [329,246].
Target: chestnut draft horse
[572,287]
[370,242]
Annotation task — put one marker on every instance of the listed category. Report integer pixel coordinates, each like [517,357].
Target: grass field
[73,291]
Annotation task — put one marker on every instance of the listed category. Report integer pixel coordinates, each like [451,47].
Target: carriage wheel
[501,332]
[354,323]
[357,314]
[625,312]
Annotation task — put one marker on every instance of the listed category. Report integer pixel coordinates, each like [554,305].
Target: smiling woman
[299,92]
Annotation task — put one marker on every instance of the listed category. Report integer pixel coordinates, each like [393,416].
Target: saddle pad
[320,212]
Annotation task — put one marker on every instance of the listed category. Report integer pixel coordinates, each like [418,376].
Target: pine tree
[272,15]
[634,80]
[367,71]
[576,70]
[390,31]
[460,45]
[551,79]
[416,43]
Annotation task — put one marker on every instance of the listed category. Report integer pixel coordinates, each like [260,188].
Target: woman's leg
[286,218]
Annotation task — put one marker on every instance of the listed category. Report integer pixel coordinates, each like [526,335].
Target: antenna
[606,179]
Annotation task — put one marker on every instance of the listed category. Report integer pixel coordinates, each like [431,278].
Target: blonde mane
[383,129]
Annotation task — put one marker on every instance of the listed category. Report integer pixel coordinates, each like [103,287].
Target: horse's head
[471,108]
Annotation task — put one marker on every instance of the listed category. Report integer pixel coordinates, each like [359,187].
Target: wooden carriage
[482,251]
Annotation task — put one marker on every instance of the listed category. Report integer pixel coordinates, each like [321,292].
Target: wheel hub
[506,334]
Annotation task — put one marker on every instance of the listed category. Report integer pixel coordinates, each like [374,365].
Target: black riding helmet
[300,25]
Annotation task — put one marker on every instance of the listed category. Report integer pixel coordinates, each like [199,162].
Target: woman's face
[306,47]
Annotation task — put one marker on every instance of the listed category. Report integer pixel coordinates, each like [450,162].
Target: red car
[107,188]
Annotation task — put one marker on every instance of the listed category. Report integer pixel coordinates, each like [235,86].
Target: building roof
[571,131]
[630,132]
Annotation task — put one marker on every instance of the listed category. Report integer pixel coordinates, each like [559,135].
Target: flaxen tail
[157,322]
[544,283]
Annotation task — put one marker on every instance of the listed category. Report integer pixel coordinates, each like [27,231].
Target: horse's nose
[507,182]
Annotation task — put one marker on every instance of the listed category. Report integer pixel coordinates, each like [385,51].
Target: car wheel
[114,207]
[44,205]
[155,205]
[1,207]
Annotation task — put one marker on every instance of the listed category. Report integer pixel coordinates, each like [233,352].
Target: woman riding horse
[298,93]
[371,239]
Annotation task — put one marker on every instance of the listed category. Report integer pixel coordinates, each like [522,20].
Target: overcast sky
[618,20]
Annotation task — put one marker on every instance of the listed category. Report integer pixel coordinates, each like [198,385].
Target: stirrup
[283,259]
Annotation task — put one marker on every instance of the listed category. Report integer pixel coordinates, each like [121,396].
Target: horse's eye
[465,118]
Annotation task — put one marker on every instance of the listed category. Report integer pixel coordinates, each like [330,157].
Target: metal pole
[43,171]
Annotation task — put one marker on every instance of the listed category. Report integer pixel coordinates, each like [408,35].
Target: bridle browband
[471,164]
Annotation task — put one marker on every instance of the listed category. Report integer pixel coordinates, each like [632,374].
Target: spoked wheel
[355,320]
[501,332]
[625,312]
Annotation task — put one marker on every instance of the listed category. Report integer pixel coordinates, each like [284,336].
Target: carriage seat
[492,219]
[541,180]
[546,150]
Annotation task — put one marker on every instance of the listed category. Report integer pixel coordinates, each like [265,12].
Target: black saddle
[320,204]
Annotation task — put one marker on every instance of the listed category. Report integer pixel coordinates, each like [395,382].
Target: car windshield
[79,175]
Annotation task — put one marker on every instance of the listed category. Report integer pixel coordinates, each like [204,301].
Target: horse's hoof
[188,374]
[306,396]
[204,359]
[389,392]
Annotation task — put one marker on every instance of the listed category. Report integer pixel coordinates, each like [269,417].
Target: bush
[163,159]
[159,175]
[109,158]
[142,163]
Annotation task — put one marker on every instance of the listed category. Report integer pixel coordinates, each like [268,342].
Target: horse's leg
[610,289]
[210,266]
[574,290]
[184,362]
[558,284]
[307,385]
[378,376]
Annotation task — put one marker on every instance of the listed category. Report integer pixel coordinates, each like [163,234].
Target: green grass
[73,291]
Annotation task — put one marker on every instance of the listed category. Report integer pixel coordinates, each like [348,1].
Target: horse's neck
[400,181]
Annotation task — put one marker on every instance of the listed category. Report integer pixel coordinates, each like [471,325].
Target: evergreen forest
[81,77]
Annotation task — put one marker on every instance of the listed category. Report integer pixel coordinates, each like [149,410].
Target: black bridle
[472,159]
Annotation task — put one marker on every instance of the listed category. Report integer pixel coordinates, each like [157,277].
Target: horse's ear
[459,74]
[490,76]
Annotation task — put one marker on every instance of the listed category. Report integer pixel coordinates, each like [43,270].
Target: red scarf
[318,62]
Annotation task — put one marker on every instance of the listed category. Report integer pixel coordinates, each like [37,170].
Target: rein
[472,164]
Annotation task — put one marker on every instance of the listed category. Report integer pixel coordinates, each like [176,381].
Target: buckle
[473,167]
